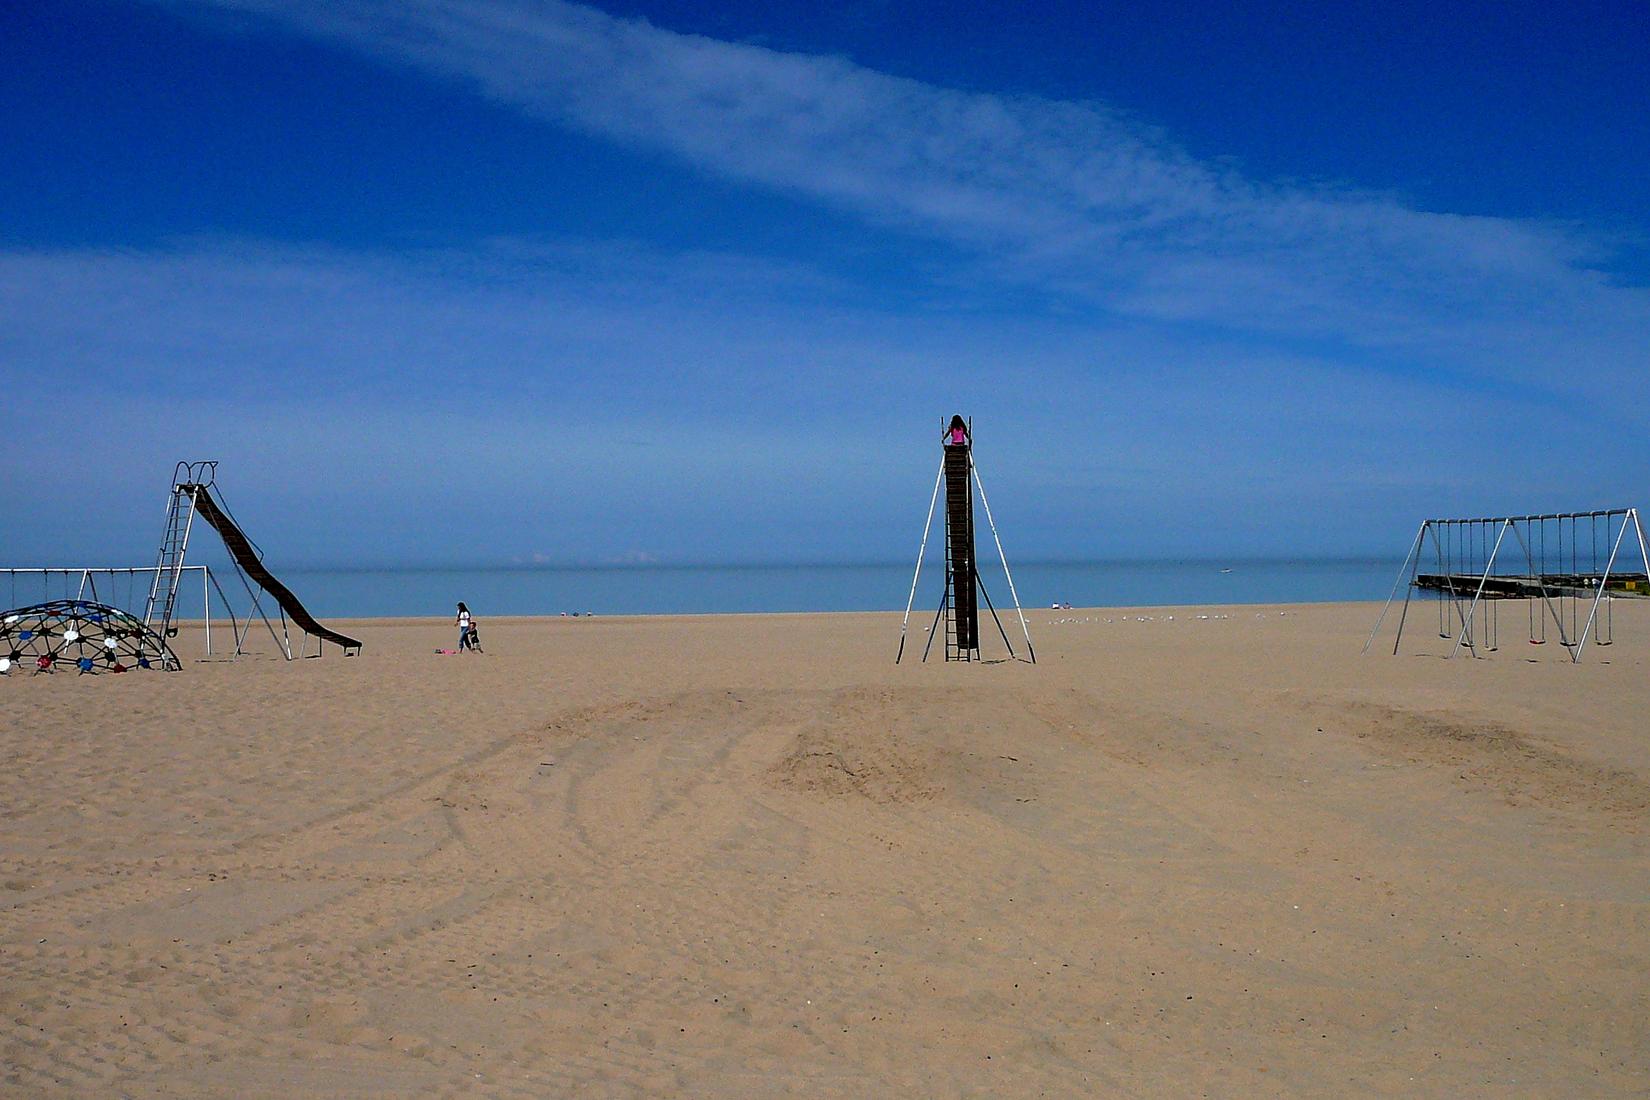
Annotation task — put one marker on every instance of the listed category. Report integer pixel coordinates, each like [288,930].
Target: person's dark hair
[461,606]
[957,422]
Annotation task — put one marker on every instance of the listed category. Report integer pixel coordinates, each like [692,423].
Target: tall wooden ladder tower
[959,611]
[961,608]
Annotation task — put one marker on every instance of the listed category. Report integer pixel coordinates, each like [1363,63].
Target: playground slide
[959,527]
[240,547]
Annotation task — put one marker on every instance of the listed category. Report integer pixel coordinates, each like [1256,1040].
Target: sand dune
[751,856]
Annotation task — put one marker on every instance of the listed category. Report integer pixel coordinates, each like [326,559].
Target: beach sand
[751,856]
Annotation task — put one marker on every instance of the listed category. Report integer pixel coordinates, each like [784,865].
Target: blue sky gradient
[489,281]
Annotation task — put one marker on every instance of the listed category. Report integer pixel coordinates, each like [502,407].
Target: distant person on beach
[466,624]
[957,434]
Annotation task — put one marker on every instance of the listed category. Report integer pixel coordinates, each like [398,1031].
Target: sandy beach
[751,856]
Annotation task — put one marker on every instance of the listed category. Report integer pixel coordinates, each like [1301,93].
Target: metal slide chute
[247,560]
[194,494]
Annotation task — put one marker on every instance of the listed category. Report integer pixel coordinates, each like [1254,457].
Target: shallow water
[633,590]
[714,589]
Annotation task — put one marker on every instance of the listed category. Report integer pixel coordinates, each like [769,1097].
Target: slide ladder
[174,544]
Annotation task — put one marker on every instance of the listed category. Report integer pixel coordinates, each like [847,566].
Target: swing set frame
[83,580]
[1467,552]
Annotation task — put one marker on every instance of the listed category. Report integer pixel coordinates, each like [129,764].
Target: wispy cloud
[592,398]
[1071,198]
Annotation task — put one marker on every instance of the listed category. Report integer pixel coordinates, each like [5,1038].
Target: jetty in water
[1551,585]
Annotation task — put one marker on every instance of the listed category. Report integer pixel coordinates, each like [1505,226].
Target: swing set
[114,588]
[1567,567]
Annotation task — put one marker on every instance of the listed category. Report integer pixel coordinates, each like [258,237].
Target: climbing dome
[78,636]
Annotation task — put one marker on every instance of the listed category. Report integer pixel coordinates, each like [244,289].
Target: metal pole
[945,602]
[1416,545]
[980,485]
[206,609]
[993,609]
[921,551]
[1409,591]
[1604,579]
[257,605]
[1644,554]
[229,609]
[1466,629]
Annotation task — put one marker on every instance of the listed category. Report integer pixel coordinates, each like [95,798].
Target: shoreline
[1172,609]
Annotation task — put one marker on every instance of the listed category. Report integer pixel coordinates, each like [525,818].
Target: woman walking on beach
[465,625]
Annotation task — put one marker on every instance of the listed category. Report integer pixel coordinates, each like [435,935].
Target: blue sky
[492,281]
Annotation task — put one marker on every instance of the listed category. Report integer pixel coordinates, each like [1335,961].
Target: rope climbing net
[79,636]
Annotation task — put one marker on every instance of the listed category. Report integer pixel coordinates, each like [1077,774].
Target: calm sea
[657,590]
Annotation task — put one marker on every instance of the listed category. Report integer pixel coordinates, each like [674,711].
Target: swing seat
[1538,641]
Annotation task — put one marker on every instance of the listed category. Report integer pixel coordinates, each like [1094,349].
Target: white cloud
[1069,198]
